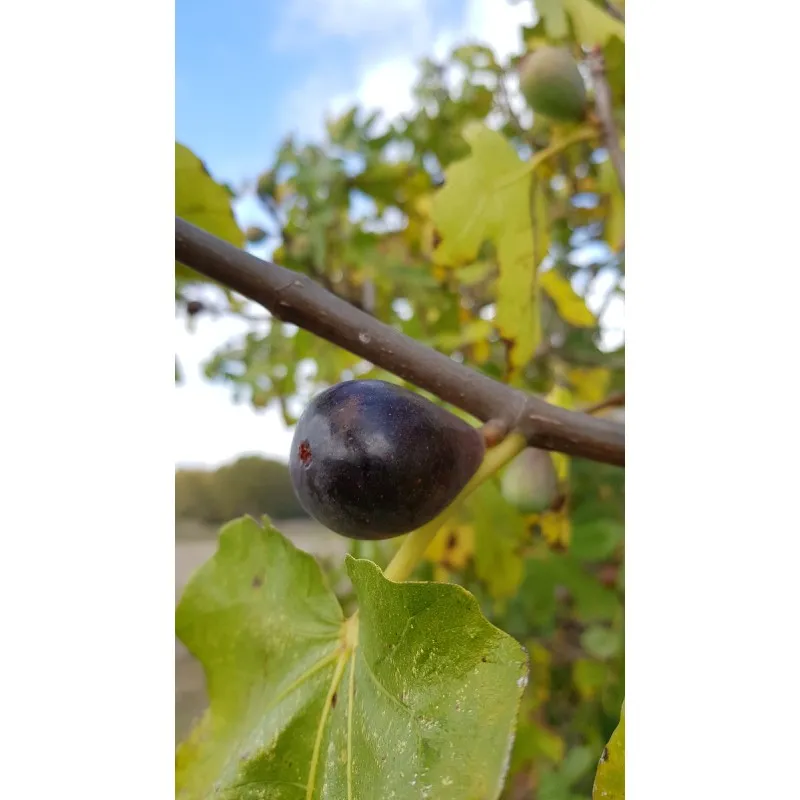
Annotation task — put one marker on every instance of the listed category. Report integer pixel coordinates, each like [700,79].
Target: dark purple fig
[371,460]
[530,483]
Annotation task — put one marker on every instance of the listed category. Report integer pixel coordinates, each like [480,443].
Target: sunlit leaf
[592,24]
[199,199]
[415,697]
[571,306]
[487,197]
[590,385]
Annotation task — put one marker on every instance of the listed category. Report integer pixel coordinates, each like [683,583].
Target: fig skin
[552,84]
[371,460]
[530,483]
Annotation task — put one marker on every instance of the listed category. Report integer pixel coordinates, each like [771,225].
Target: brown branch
[605,112]
[295,298]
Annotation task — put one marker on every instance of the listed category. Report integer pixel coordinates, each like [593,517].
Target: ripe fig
[553,85]
[530,483]
[371,460]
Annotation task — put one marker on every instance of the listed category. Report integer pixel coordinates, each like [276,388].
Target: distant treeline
[252,485]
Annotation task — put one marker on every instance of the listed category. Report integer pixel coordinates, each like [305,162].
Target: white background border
[86,671]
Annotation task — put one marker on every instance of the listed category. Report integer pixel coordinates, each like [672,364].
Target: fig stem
[416,543]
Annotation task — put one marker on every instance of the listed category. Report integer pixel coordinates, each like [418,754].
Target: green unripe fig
[530,483]
[553,85]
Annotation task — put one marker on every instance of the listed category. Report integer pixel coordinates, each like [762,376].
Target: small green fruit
[553,85]
[530,483]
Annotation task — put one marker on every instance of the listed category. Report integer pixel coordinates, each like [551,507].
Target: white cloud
[387,86]
[385,83]
[387,39]
[497,23]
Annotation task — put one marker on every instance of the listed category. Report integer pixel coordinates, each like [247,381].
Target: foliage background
[366,211]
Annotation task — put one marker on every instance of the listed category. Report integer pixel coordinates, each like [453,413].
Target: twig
[195,307]
[605,112]
[295,298]
[612,401]
[501,82]
[613,11]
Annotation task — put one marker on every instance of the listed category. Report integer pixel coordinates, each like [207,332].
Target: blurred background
[332,122]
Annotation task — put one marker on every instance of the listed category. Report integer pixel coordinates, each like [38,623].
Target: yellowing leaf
[592,24]
[589,384]
[615,205]
[474,331]
[487,197]
[561,396]
[452,548]
[474,273]
[422,205]
[556,528]
[481,351]
[570,305]
[199,199]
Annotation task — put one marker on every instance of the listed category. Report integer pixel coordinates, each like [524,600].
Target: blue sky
[247,73]
[250,71]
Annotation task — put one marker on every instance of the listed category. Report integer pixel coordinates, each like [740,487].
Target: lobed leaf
[415,697]
[487,197]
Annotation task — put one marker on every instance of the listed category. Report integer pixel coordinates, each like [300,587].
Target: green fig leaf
[199,199]
[609,782]
[487,197]
[592,24]
[415,697]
